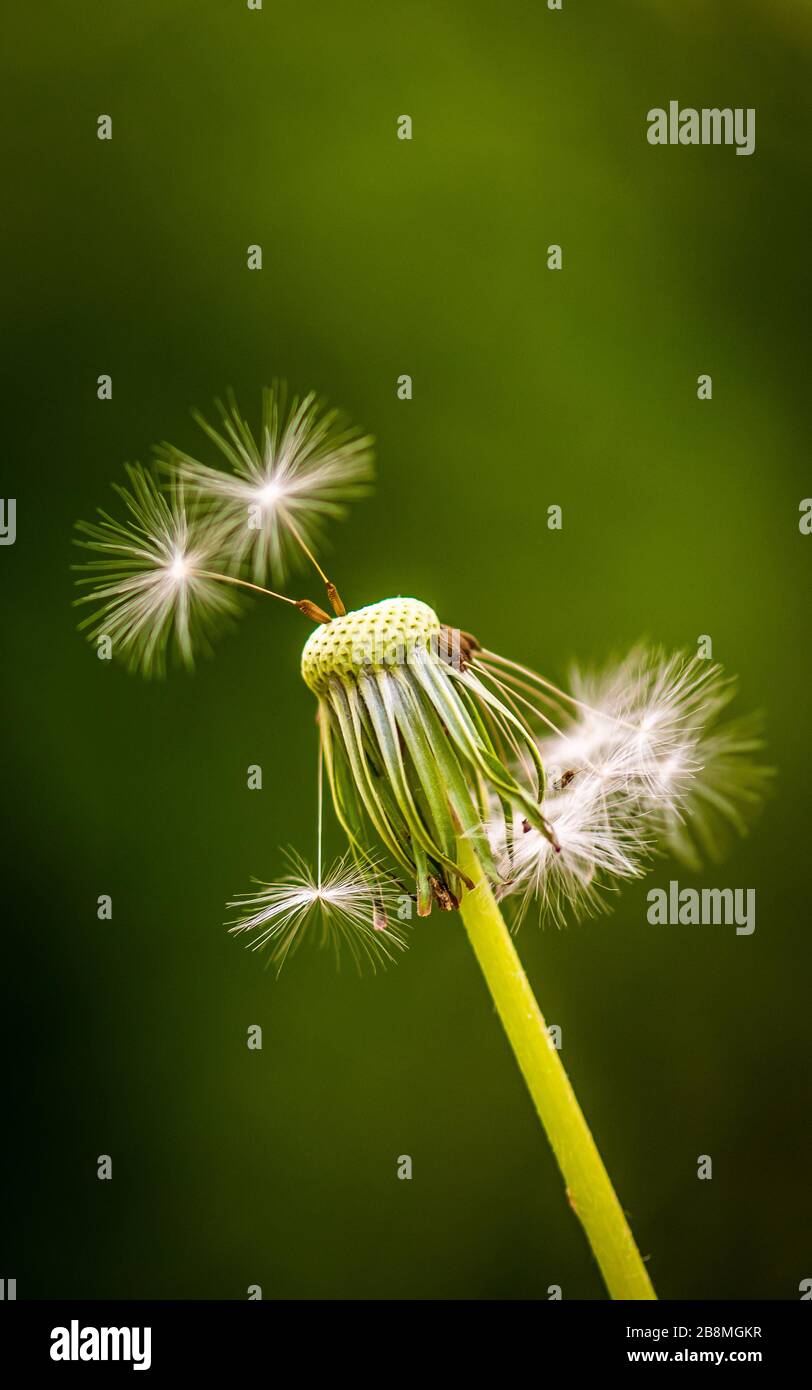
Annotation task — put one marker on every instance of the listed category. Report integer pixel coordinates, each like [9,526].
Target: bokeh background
[531,387]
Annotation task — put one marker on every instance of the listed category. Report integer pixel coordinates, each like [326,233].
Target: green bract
[416,747]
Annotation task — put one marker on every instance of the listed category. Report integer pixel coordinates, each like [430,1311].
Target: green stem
[589,1190]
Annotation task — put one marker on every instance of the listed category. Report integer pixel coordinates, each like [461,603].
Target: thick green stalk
[589,1190]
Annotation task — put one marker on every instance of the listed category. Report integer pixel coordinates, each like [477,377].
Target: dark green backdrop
[531,387]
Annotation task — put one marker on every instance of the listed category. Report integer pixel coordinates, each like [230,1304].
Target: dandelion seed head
[149,585]
[638,759]
[598,843]
[348,907]
[281,486]
[696,777]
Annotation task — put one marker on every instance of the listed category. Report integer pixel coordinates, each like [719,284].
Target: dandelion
[156,585]
[601,843]
[307,463]
[152,584]
[348,908]
[462,780]
[352,905]
[698,777]
[638,761]
[410,741]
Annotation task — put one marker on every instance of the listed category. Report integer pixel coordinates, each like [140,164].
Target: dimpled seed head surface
[384,634]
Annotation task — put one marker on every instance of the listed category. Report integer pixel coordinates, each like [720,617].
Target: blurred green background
[531,387]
